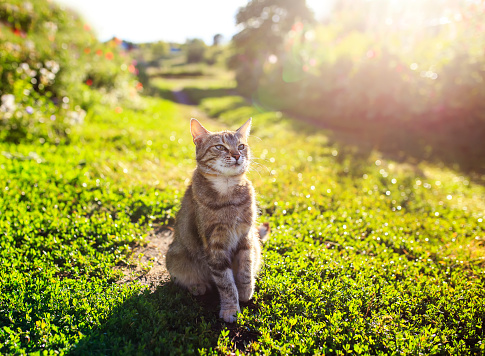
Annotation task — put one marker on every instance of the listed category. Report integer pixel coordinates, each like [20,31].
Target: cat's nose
[236,156]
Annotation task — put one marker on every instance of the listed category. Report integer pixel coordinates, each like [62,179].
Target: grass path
[150,269]
[181,97]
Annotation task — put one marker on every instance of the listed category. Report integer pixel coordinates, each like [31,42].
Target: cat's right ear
[197,130]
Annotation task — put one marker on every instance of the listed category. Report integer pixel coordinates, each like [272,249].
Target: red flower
[109,56]
[19,33]
[371,53]
[298,26]
[89,82]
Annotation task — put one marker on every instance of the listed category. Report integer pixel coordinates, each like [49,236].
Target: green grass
[218,83]
[367,255]
[183,70]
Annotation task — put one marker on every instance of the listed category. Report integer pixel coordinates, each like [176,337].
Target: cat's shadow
[167,321]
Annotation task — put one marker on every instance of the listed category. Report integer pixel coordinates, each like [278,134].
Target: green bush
[403,86]
[195,50]
[52,66]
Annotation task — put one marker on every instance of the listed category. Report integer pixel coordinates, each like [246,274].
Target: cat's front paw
[229,314]
[245,292]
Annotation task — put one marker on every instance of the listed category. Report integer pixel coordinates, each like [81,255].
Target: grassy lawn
[367,255]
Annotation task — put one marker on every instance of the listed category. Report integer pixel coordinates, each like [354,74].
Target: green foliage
[153,53]
[210,81]
[195,50]
[70,214]
[217,55]
[264,26]
[366,255]
[48,60]
[160,49]
[374,67]
[205,62]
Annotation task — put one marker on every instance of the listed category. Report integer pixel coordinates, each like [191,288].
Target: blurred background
[402,77]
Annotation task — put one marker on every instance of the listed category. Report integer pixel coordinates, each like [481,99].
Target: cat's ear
[197,130]
[245,129]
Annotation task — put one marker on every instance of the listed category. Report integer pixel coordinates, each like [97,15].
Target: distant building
[174,49]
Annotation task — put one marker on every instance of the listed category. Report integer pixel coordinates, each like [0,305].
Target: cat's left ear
[245,129]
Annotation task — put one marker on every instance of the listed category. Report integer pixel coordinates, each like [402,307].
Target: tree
[195,50]
[265,24]
[217,40]
[160,50]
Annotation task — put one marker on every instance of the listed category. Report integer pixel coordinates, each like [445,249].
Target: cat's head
[223,153]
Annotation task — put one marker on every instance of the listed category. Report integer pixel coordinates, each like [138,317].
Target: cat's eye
[241,147]
[220,147]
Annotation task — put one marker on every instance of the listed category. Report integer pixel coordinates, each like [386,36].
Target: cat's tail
[264,231]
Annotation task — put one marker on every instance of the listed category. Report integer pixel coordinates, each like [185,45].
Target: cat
[216,241]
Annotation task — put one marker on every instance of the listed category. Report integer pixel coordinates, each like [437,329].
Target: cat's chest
[225,197]
[225,186]
[224,208]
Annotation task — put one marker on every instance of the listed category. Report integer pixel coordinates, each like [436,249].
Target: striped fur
[216,240]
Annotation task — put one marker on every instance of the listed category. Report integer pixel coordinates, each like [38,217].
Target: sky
[168,20]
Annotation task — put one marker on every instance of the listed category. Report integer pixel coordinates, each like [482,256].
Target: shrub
[195,50]
[417,85]
[50,62]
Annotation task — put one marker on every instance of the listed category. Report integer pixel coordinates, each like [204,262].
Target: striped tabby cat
[216,241]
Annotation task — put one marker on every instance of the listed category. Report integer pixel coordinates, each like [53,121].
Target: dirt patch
[148,266]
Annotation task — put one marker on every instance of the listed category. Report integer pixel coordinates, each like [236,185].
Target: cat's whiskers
[260,164]
[255,170]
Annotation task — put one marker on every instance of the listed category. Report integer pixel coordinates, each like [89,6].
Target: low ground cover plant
[367,255]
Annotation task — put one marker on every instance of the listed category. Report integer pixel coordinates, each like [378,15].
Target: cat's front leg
[245,269]
[223,276]
[229,297]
